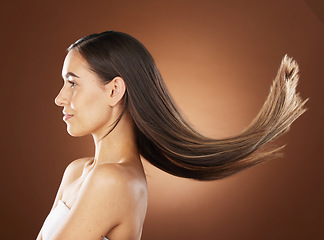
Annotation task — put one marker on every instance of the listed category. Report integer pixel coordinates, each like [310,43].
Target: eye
[72,83]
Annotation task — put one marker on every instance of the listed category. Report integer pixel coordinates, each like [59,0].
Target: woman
[114,91]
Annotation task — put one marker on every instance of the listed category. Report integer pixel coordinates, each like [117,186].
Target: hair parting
[164,138]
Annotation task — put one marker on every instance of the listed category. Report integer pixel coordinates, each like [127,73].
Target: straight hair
[164,138]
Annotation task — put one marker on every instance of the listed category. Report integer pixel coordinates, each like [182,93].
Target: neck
[119,145]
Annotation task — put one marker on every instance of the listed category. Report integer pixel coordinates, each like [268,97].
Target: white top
[54,219]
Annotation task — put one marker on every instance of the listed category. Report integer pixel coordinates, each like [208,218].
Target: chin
[76,133]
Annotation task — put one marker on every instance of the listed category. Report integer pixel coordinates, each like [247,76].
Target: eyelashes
[72,83]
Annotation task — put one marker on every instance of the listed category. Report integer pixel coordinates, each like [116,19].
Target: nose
[61,98]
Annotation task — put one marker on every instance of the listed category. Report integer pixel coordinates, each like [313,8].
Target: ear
[116,90]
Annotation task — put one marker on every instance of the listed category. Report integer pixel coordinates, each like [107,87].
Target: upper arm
[68,175]
[103,202]
[39,236]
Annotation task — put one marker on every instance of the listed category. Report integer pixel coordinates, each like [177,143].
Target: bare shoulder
[109,171]
[118,179]
[111,202]
[75,168]
[78,163]
[72,171]
[118,194]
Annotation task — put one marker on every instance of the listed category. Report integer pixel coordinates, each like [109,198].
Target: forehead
[75,63]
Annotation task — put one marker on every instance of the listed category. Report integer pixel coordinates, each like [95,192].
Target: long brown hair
[164,138]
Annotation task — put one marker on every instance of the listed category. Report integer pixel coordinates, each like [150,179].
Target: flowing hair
[164,138]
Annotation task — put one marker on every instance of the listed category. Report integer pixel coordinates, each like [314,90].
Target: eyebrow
[71,74]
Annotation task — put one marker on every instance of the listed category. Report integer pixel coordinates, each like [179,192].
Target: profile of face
[88,104]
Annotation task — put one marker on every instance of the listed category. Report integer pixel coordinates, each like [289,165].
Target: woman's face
[84,98]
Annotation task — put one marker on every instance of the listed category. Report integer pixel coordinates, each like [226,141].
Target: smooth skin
[107,193]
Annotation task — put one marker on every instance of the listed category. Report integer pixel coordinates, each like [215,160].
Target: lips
[67,116]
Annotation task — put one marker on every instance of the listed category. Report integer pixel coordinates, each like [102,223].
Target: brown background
[218,59]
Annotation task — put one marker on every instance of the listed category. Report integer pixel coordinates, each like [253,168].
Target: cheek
[86,100]
[91,108]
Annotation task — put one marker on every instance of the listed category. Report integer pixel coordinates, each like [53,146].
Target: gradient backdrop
[218,59]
